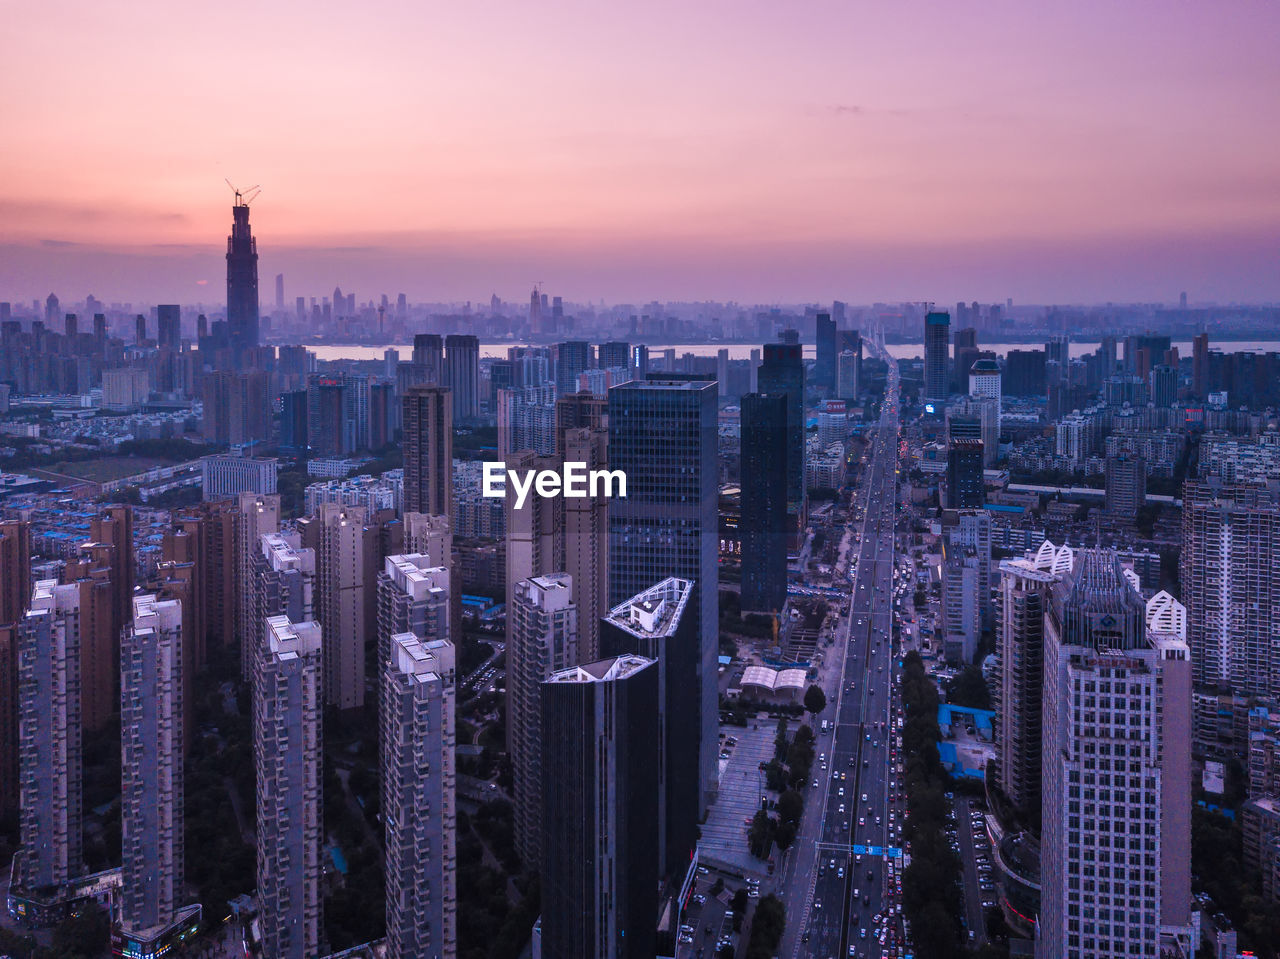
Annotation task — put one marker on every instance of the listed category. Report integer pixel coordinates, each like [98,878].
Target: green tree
[969,689]
[815,700]
[760,835]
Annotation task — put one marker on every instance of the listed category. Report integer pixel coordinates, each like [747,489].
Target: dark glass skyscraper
[242,280]
[937,347]
[764,501]
[599,810]
[824,369]
[783,372]
[662,435]
[659,624]
[965,489]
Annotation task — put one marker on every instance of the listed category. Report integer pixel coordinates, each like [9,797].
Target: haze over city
[759,152]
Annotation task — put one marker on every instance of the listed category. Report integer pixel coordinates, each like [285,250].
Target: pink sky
[771,151]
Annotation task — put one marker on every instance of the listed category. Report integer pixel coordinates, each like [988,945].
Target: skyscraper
[51,820]
[764,501]
[1164,384]
[169,327]
[151,724]
[413,597]
[848,380]
[1116,838]
[562,534]
[242,280]
[543,639]
[428,355]
[1200,366]
[1024,600]
[654,624]
[824,367]
[281,582]
[965,484]
[599,820]
[783,372]
[419,810]
[662,435]
[337,534]
[462,376]
[937,348]
[1126,479]
[256,515]
[572,358]
[15,591]
[428,451]
[1230,576]
[287,706]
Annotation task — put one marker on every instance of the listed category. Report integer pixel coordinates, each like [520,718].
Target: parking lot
[724,834]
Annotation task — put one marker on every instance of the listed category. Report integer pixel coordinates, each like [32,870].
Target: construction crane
[244,197]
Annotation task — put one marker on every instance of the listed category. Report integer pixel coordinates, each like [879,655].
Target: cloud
[59,244]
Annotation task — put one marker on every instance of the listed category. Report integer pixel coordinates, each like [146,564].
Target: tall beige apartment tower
[428,450]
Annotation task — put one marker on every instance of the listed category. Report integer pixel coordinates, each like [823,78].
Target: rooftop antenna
[244,197]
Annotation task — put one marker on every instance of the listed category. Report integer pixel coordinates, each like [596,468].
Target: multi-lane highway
[837,880]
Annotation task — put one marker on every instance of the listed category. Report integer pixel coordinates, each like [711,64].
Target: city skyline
[1108,153]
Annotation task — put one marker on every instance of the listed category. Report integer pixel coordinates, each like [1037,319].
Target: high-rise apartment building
[237,407]
[90,572]
[1230,576]
[413,597]
[462,376]
[937,349]
[562,534]
[1025,586]
[255,516]
[1116,837]
[345,569]
[572,358]
[599,819]
[662,435]
[15,592]
[543,638]
[428,451]
[654,624]
[282,583]
[287,707]
[1200,366]
[242,281]
[51,820]
[1126,479]
[152,753]
[764,502]
[419,805]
